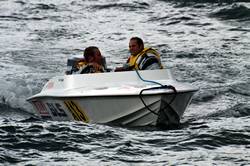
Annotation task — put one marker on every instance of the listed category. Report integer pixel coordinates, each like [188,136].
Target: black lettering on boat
[61,112]
[56,109]
[76,111]
[52,109]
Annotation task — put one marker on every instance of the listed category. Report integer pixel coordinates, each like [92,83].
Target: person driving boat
[141,58]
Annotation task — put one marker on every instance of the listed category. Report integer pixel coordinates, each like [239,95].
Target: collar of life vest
[133,58]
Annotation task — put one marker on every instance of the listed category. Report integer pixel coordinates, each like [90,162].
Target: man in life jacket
[141,58]
[93,62]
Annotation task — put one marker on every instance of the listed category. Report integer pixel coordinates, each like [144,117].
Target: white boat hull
[119,107]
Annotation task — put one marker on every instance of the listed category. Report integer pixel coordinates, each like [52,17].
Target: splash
[235,11]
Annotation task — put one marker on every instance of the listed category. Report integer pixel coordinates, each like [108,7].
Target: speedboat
[130,98]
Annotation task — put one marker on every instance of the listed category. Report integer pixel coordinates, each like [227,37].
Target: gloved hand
[125,67]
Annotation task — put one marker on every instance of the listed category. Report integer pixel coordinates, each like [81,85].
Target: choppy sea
[204,42]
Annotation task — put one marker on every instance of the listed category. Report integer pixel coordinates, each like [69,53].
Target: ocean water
[204,42]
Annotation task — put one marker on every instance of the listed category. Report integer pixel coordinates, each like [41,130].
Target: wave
[28,11]
[237,111]
[217,139]
[209,94]
[13,96]
[126,6]
[52,137]
[41,6]
[45,6]
[239,29]
[238,12]
[188,55]
[206,1]
[16,17]
[242,89]
[9,112]
[54,34]
[36,7]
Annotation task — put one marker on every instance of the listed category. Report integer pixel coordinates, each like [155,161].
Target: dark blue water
[205,42]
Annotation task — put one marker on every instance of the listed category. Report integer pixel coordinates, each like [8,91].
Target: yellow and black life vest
[134,61]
